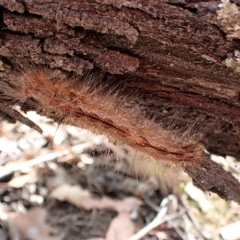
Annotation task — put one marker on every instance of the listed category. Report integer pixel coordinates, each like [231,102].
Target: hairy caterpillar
[101,108]
[89,105]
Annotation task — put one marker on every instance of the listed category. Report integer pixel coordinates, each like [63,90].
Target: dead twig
[14,114]
[159,219]
[49,157]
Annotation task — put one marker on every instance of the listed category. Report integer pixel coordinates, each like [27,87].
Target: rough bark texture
[182,56]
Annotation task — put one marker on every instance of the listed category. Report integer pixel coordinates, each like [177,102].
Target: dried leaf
[121,227]
[32,225]
[20,181]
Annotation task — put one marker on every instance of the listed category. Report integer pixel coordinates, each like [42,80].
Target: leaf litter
[71,184]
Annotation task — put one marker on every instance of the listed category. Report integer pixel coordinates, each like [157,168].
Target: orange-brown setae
[83,103]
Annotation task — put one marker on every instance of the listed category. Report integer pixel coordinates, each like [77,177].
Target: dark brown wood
[10,113]
[182,57]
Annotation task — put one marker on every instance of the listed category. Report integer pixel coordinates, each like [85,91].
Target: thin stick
[19,117]
[158,220]
[49,157]
[192,219]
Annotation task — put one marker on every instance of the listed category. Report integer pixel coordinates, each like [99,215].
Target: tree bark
[181,57]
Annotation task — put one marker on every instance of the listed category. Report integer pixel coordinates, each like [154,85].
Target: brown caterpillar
[89,105]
